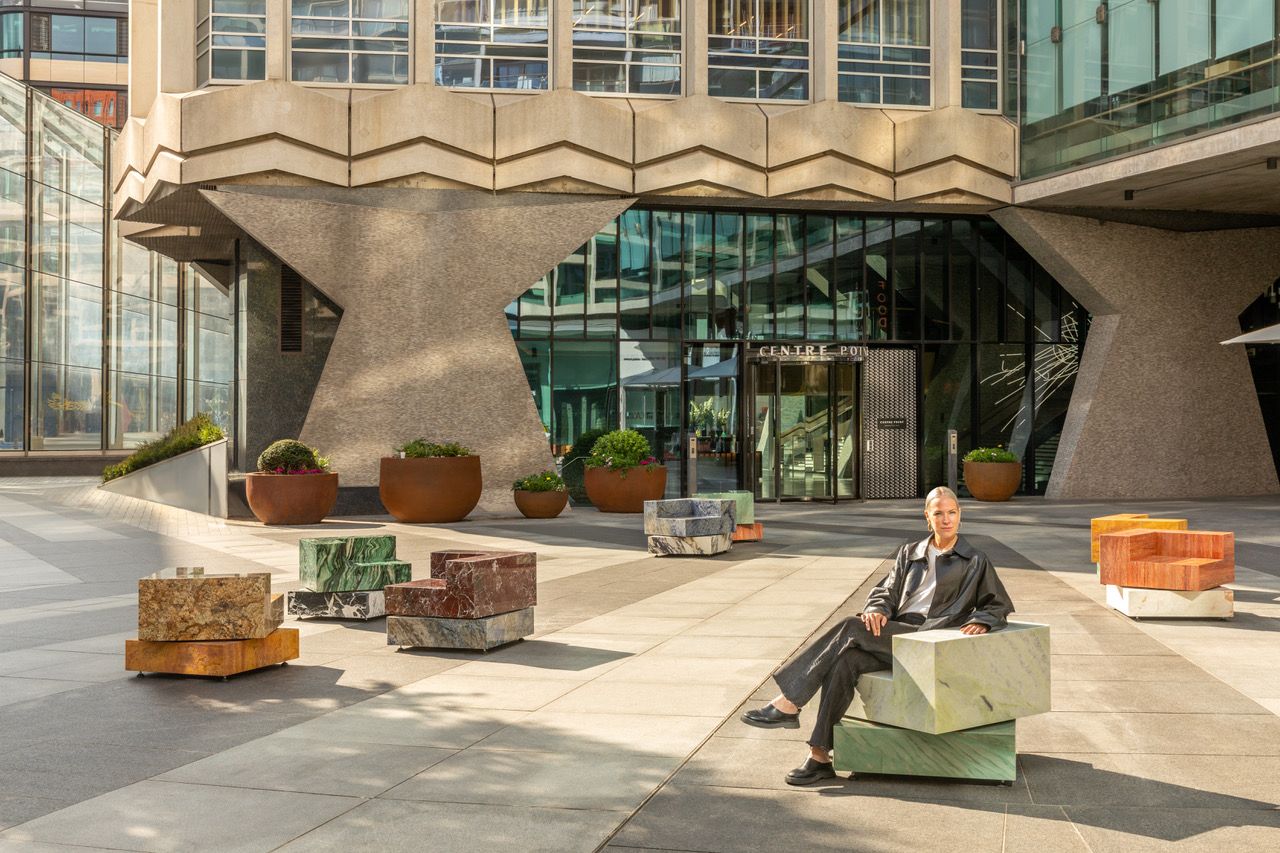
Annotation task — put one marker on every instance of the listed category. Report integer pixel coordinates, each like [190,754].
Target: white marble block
[1216,603]
[943,681]
[687,517]
[690,546]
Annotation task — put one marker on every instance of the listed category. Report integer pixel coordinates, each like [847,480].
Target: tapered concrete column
[1160,409]
[422,348]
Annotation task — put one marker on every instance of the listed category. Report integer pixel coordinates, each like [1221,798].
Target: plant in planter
[197,432]
[992,473]
[541,495]
[293,485]
[429,483]
[622,472]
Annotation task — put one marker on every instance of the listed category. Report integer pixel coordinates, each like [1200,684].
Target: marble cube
[431,632]
[1137,603]
[943,680]
[692,546]
[469,585]
[360,604]
[211,657]
[190,604]
[1168,559]
[744,504]
[346,563]
[985,752]
[689,517]
[1126,521]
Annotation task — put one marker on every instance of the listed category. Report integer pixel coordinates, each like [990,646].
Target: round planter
[540,504]
[992,481]
[618,491]
[435,490]
[291,498]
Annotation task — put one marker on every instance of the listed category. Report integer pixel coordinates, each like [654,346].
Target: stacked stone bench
[1125,521]
[194,623]
[473,600]
[747,529]
[690,526]
[344,577]
[947,708]
[1169,574]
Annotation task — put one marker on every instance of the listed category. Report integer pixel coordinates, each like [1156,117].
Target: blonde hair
[939,493]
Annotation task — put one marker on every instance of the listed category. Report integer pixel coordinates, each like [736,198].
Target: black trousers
[833,664]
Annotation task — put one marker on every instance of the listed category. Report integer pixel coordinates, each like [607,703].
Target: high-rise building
[76,51]
[794,242]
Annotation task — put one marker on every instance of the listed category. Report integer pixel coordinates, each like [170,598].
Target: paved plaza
[615,726]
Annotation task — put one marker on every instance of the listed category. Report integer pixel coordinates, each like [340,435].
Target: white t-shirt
[922,596]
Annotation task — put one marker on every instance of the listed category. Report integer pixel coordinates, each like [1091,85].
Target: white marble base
[1216,603]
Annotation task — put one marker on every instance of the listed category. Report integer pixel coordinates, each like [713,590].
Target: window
[350,41]
[979,55]
[231,40]
[884,52]
[759,49]
[492,44]
[11,35]
[630,46]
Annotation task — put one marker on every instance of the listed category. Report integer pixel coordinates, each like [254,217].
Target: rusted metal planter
[625,491]
[992,481]
[435,490]
[291,498]
[541,504]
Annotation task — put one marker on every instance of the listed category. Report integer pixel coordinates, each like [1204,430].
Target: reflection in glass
[804,430]
[946,373]
[11,409]
[879,294]
[759,49]
[650,387]
[627,46]
[760,236]
[635,267]
[492,44]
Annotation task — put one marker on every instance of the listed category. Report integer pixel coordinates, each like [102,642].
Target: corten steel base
[748,532]
[211,657]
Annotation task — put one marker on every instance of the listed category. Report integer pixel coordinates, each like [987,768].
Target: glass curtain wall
[627,46]
[1103,80]
[361,42]
[759,49]
[91,325]
[884,53]
[645,326]
[980,54]
[492,44]
[231,40]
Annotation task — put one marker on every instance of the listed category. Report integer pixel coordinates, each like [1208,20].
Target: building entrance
[802,429]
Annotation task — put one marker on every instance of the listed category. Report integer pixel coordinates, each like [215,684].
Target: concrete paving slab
[1199,697]
[1179,734]
[391,720]
[1158,781]
[604,697]
[738,672]
[777,648]
[1041,829]
[452,690]
[15,690]
[393,826]
[167,816]
[560,731]
[1123,829]
[1094,668]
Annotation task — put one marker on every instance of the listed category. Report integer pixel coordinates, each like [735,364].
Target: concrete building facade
[793,242]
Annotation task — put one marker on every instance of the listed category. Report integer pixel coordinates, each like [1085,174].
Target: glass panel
[765,433]
[767,58]
[906,279]
[583,390]
[933,275]
[67,407]
[535,356]
[845,411]
[726,294]
[1131,45]
[1056,366]
[963,262]
[851,297]
[789,283]
[820,277]
[650,389]
[13,203]
[1240,24]
[759,275]
[712,395]
[879,296]
[946,373]
[1017,293]
[699,259]
[668,240]
[804,430]
[1082,55]
[1184,33]
[635,266]
[990,280]
[1042,81]
[1002,384]
[519,25]
[602,283]
[978,25]
[11,408]
[906,22]
[569,286]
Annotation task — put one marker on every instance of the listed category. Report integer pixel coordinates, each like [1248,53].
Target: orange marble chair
[1168,559]
[1127,521]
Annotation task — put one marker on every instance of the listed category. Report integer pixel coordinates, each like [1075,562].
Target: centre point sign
[809,352]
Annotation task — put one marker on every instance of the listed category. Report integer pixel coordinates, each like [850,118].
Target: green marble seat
[985,753]
[746,501]
[944,681]
[350,563]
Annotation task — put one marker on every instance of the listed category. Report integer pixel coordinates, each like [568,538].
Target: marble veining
[361,604]
[469,585]
[985,752]
[187,604]
[1216,603]
[349,563]
[685,517]
[477,634]
[943,680]
[696,546]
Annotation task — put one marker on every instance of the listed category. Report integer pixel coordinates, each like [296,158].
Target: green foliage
[544,481]
[989,454]
[420,448]
[575,465]
[197,432]
[621,450]
[288,456]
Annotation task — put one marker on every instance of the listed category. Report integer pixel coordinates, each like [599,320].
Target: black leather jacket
[968,589]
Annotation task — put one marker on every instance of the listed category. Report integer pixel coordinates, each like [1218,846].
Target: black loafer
[811,771]
[768,717]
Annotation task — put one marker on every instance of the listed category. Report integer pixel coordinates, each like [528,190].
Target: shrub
[574,466]
[288,456]
[989,454]
[544,481]
[621,450]
[197,432]
[420,448]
